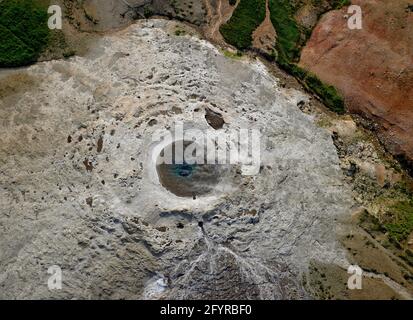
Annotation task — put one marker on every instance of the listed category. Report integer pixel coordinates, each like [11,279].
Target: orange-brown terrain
[371,67]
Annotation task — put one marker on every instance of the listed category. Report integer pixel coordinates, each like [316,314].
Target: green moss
[248,15]
[23,32]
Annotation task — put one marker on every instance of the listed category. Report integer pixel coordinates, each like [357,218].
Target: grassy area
[392,221]
[402,221]
[396,222]
[288,32]
[328,94]
[23,31]
[248,15]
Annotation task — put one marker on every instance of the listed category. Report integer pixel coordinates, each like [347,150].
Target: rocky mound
[80,189]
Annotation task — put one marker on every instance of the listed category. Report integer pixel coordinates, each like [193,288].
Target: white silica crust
[97,209]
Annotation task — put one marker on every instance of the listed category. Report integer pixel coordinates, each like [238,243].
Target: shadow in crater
[187,179]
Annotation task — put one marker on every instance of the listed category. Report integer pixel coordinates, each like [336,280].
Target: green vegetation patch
[288,32]
[247,17]
[394,219]
[328,94]
[232,55]
[23,32]
[331,98]
[402,221]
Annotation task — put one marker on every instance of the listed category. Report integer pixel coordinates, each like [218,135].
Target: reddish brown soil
[372,67]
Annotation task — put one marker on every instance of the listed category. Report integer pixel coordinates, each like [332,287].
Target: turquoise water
[183,170]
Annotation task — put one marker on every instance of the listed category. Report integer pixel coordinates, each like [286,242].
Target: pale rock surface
[113,229]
